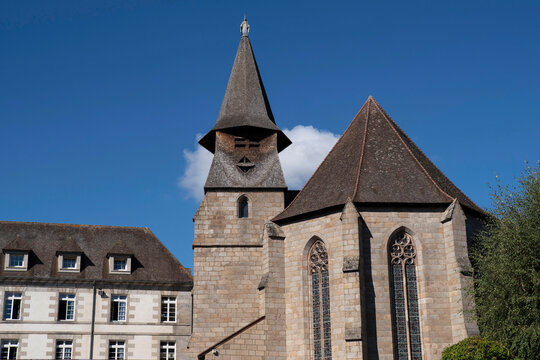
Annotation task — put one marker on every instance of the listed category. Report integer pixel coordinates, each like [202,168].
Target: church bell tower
[245,187]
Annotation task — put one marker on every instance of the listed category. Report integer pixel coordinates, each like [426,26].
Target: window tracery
[406,317]
[320,294]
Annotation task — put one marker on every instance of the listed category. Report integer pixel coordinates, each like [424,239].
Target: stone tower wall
[228,265]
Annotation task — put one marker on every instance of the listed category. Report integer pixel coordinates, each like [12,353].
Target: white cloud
[198,164]
[299,161]
[308,149]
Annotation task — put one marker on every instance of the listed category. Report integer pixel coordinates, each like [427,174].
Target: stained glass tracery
[320,294]
[407,338]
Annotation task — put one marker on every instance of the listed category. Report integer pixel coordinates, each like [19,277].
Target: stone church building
[368,261]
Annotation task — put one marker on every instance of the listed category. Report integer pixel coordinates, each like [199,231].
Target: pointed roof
[17,244]
[245,104]
[69,246]
[375,162]
[120,248]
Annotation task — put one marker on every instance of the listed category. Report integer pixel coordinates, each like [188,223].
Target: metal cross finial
[244,27]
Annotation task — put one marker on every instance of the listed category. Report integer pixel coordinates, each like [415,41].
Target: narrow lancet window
[320,294]
[407,341]
[243,207]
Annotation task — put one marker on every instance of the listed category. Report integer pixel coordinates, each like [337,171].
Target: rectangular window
[16,260]
[117,350]
[168,309]
[118,307]
[69,262]
[120,264]
[64,349]
[9,349]
[66,307]
[12,306]
[167,350]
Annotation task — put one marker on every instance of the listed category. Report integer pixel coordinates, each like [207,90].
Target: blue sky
[100,101]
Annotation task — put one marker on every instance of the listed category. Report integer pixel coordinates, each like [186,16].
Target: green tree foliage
[476,348]
[507,263]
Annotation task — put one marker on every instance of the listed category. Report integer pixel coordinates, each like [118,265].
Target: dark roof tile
[69,246]
[154,263]
[374,162]
[16,244]
[245,104]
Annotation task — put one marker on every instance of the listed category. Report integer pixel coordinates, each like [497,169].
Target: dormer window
[120,264]
[16,255]
[69,256]
[120,259]
[69,262]
[16,261]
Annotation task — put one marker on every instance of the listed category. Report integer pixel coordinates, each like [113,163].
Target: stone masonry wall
[432,274]
[250,344]
[228,263]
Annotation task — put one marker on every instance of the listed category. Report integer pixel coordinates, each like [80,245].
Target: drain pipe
[93,321]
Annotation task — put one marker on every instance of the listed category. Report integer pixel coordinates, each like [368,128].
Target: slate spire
[245,107]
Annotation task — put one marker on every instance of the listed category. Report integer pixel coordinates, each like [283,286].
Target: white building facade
[139,307]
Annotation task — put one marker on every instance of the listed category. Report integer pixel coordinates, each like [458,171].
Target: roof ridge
[73,225]
[391,123]
[362,150]
[322,162]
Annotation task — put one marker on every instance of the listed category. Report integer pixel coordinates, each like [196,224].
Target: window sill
[16,269]
[69,271]
[120,272]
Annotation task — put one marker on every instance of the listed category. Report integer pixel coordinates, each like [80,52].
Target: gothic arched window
[243,207]
[407,341]
[320,295]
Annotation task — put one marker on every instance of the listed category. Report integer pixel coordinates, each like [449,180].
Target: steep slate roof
[245,104]
[152,262]
[374,162]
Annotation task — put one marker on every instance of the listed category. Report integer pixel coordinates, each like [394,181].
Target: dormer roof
[374,162]
[120,248]
[69,246]
[16,244]
[245,107]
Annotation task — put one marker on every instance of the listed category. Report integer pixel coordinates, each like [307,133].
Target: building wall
[39,327]
[437,294]
[228,263]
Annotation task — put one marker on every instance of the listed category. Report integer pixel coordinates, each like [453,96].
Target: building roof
[374,162]
[151,261]
[245,105]
[17,243]
[69,246]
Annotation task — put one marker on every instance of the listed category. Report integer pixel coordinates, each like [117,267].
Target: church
[369,260]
